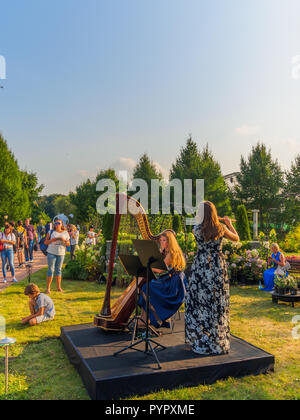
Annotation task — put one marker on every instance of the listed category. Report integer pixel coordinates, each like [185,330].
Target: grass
[40,370]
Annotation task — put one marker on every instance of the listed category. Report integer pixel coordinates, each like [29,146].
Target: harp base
[105,323]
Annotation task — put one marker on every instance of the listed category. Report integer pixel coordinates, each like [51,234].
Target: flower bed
[244,266]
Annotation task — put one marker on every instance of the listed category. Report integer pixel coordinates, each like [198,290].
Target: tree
[177,225]
[187,164]
[108,225]
[30,184]
[32,188]
[146,170]
[292,194]
[46,203]
[14,198]
[216,189]
[85,197]
[260,182]
[37,216]
[64,205]
[193,164]
[242,223]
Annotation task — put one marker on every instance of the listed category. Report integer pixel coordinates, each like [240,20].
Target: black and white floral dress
[207,301]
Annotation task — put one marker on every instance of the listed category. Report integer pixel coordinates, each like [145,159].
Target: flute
[221,219]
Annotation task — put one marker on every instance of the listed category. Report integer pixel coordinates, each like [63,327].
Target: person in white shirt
[57,242]
[7,242]
[91,237]
[74,240]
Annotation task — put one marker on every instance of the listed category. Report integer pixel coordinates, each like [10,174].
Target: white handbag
[281,271]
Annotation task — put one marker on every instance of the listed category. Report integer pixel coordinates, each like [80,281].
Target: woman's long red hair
[177,257]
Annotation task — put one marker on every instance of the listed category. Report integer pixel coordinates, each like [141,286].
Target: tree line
[261,184]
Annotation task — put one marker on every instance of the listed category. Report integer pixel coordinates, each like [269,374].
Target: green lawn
[39,368]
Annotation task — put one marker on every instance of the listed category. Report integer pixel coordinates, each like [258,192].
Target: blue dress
[269,275]
[167,294]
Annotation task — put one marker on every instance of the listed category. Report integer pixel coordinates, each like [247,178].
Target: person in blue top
[167,292]
[277,259]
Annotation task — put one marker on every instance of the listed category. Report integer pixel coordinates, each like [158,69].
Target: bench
[295,268]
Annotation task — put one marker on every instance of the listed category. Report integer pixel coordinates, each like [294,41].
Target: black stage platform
[133,373]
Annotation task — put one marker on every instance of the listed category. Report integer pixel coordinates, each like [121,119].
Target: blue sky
[93,84]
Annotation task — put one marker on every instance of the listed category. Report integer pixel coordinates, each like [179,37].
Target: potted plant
[280,284]
[293,285]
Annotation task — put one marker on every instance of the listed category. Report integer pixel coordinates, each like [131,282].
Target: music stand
[150,257]
[133,267]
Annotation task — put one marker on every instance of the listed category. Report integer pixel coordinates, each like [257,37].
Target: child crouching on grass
[41,306]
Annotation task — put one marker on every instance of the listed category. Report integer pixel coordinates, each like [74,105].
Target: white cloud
[83,173]
[247,130]
[292,144]
[124,164]
[128,164]
[2,67]
[165,172]
[296,67]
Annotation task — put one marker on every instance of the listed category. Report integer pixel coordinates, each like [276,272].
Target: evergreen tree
[193,164]
[146,170]
[242,223]
[292,194]
[216,189]
[108,225]
[188,163]
[259,182]
[177,225]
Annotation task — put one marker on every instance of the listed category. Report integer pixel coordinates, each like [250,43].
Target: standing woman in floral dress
[207,301]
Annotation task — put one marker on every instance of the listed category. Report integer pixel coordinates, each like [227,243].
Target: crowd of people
[20,240]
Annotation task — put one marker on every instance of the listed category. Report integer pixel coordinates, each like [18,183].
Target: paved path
[39,261]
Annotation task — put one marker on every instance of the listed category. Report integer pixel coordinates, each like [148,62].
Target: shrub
[125,247]
[74,271]
[108,226]
[89,264]
[242,223]
[177,225]
[292,241]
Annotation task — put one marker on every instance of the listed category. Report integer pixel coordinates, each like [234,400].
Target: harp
[115,318]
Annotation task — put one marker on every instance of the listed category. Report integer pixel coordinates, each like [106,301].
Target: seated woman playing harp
[167,292]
